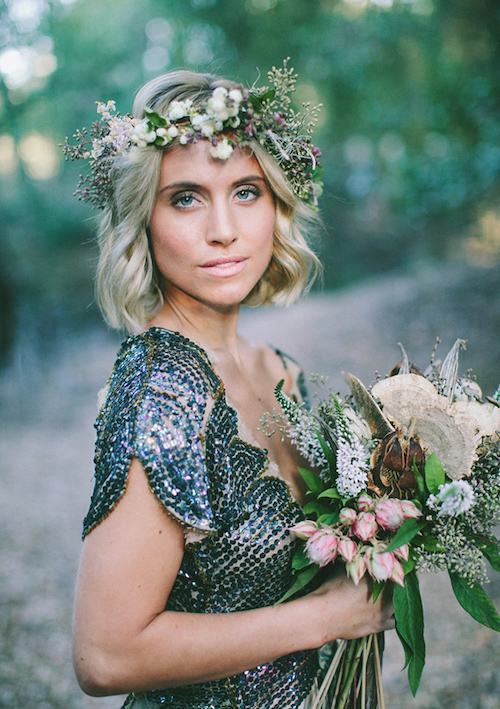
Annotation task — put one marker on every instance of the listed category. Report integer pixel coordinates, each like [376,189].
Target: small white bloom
[207,129]
[150,137]
[198,119]
[173,132]
[219,94]
[161,132]
[177,110]
[352,467]
[183,139]
[453,498]
[221,151]
[236,96]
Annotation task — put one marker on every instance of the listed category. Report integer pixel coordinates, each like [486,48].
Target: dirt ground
[46,446]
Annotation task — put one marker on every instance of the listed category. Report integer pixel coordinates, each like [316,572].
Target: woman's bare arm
[125,641]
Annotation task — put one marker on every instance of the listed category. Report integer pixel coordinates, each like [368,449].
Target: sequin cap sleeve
[160,394]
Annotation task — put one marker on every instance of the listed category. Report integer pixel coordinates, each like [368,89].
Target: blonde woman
[206,196]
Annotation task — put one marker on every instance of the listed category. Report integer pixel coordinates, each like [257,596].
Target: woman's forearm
[178,648]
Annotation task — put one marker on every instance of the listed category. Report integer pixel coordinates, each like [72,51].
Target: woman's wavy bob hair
[129,285]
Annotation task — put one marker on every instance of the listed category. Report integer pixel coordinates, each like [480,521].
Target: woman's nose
[221,228]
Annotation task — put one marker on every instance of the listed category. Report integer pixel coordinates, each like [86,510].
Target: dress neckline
[244,431]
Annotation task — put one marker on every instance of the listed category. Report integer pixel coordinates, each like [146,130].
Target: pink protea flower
[402,552]
[380,564]
[366,503]
[347,549]
[321,547]
[398,575]
[356,568]
[389,514]
[304,529]
[347,516]
[365,527]
[410,509]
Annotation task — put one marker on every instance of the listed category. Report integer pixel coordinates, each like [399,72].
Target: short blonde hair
[129,285]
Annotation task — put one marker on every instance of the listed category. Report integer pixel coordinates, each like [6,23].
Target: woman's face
[212,226]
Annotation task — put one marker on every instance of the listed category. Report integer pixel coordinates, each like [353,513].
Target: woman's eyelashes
[248,193]
[183,200]
[245,193]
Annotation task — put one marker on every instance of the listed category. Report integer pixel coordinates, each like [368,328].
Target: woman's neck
[213,329]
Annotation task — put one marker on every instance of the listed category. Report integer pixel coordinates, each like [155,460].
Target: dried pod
[392,462]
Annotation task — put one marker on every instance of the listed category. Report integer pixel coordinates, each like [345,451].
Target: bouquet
[409,480]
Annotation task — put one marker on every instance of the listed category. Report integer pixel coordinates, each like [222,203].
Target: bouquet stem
[354,678]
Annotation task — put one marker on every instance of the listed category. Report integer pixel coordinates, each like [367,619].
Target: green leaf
[330,518]
[409,615]
[420,481]
[409,529]
[313,481]
[301,580]
[300,559]
[327,451]
[430,543]
[434,474]
[318,508]
[331,493]
[268,96]
[491,550]
[378,587]
[474,600]
[155,118]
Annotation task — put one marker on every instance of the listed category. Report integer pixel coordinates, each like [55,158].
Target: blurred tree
[410,129]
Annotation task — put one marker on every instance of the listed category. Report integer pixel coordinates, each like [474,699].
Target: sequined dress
[166,406]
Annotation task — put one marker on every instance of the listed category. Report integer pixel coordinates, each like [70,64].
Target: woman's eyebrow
[197,186]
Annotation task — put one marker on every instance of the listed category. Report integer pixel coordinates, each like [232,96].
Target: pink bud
[356,568]
[366,503]
[389,514]
[365,526]
[402,552]
[409,509]
[380,565]
[398,575]
[347,548]
[347,516]
[321,547]
[304,529]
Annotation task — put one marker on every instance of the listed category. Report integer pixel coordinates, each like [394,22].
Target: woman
[187,543]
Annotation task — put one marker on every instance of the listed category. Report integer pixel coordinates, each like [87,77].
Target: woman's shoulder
[284,366]
[165,360]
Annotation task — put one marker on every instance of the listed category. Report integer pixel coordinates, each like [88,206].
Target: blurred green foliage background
[409,130]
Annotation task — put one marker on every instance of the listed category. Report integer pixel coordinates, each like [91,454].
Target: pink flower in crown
[409,509]
[380,564]
[366,503]
[398,575]
[347,516]
[347,549]
[305,529]
[321,547]
[365,527]
[402,552]
[356,568]
[389,514]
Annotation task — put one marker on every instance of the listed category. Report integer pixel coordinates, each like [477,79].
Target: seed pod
[392,472]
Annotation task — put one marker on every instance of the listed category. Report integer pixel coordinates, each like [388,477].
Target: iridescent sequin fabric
[167,407]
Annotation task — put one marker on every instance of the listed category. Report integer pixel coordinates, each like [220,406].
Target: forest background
[410,134]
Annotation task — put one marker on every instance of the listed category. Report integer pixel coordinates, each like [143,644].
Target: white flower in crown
[179,109]
[221,151]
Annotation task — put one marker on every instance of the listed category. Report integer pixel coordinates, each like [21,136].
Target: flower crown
[229,118]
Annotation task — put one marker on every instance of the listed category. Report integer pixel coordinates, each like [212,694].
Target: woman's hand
[348,611]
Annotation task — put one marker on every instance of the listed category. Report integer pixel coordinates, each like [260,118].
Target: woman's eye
[246,194]
[183,200]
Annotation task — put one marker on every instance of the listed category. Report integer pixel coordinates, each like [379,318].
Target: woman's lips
[225,266]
